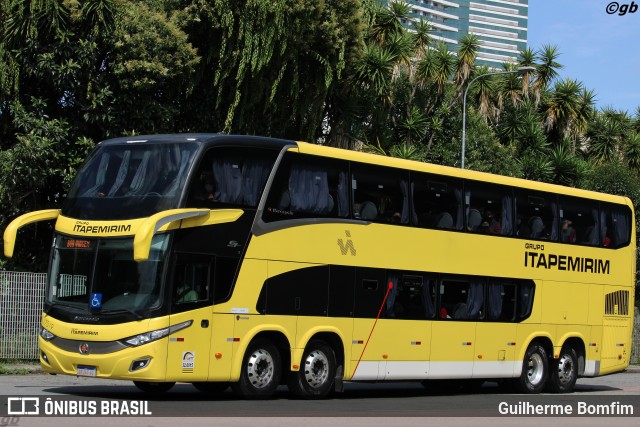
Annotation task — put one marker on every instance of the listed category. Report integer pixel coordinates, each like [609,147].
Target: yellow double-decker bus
[230,260]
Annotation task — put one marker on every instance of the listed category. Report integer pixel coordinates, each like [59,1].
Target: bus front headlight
[148,337]
[45,334]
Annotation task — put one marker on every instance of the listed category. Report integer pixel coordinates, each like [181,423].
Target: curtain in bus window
[429,307]
[603,228]
[309,190]
[554,225]
[475,299]
[393,294]
[414,214]
[100,177]
[593,233]
[507,216]
[343,195]
[122,174]
[620,232]
[494,302]
[404,188]
[138,179]
[175,185]
[227,175]
[254,175]
[460,215]
[525,298]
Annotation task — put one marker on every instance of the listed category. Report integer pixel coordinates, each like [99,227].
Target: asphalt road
[361,404]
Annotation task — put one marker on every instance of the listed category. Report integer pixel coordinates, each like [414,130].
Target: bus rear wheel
[535,370]
[153,388]
[316,376]
[564,372]
[261,371]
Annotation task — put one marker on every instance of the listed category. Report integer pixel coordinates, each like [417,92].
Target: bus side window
[580,221]
[192,279]
[411,297]
[617,225]
[462,299]
[437,201]
[501,301]
[308,187]
[489,208]
[380,194]
[536,215]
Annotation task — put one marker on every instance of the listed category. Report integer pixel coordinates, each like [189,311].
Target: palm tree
[388,21]
[563,107]
[509,88]
[546,70]
[605,139]
[436,67]
[632,151]
[467,52]
[411,129]
[374,70]
[485,88]
[527,59]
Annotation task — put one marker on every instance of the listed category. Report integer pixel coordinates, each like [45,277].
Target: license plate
[86,371]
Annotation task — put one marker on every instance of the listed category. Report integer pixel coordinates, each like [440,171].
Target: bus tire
[260,372]
[211,387]
[564,371]
[535,370]
[317,373]
[153,388]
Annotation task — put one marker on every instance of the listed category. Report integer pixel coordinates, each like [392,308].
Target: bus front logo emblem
[84,348]
[348,247]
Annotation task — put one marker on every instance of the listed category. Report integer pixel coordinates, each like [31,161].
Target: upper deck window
[308,187]
[130,181]
[231,177]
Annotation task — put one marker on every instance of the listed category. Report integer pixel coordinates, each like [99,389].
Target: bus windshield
[100,275]
[130,181]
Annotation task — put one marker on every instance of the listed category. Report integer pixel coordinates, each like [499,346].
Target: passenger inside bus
[568,234]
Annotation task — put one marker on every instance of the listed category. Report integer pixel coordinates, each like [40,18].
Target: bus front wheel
[535,370]
[564,372]
[261,371]
[316,376]
[153,388]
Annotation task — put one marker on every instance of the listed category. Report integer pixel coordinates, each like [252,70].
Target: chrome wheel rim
[535,369]
[565,369]
[260,368]
[316,369]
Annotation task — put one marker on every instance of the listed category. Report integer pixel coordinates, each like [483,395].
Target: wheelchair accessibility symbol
[96,300]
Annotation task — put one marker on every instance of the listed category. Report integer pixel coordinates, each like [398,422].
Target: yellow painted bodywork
[567,304]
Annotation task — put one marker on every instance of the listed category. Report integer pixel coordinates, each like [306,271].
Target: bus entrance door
[188,353]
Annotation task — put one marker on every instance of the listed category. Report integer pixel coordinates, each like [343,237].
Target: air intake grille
[617,303]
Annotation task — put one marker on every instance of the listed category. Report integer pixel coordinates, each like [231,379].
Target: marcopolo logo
[614,8]
[348,247]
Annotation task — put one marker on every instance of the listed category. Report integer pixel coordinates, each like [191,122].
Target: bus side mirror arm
[11,232]
[187,217]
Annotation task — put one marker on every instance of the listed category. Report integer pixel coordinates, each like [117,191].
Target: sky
[599,49]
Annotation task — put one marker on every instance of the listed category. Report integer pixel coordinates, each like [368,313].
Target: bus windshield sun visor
[189,217]
[12,230]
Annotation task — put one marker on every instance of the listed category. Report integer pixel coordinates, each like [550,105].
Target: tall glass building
[500,25]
